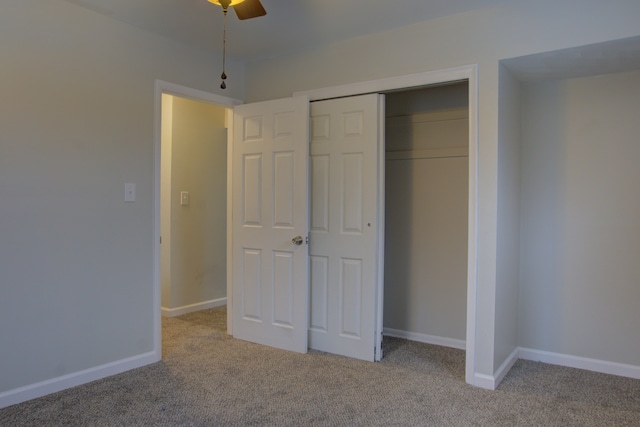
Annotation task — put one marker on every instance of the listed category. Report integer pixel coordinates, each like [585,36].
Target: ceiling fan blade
[249,9]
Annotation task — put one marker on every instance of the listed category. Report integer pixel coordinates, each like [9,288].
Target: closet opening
[427,214]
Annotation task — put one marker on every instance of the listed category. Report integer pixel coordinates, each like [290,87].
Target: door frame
[163,87]
[414,81]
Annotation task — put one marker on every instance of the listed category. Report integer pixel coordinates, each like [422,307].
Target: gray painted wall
[508,238]
[76,124]
[580,247]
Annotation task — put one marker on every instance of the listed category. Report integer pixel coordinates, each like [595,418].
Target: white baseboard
[179,311]
[595,365]
[427,339]
[605,367]
[490,382]
[506,366]
[33,391]
[487,382]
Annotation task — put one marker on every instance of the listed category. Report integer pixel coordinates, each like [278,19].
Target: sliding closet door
[346,225]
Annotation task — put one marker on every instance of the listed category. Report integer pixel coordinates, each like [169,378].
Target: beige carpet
[207,378]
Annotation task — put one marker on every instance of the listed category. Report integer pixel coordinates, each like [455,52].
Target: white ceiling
[290,25]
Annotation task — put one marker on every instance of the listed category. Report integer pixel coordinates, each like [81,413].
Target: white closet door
[270,208]
[346,225]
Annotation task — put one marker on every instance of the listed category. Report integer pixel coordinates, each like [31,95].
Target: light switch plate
[184,198]
[129,192]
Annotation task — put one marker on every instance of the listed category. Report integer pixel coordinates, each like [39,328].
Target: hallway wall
[194,235]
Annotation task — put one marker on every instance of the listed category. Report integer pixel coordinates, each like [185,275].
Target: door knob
[297,240]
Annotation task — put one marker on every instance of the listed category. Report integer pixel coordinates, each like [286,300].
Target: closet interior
[426,214]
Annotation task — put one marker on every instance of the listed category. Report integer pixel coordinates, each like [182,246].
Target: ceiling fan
[245,9]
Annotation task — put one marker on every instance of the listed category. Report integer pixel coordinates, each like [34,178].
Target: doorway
[426,216]
[186,93]
[193,205]
[389,85]
[426,204]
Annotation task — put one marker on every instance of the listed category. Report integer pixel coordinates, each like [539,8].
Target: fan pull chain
[223,85]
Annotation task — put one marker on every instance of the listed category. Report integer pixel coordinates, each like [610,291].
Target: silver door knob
[297,240]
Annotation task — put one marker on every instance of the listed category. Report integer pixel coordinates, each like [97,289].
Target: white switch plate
[184,198]
[129,192]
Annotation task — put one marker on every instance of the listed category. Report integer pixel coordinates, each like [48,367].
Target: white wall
[508,238]
[580,217]
[482,37]
[76,123]
[198,230]
[517,28]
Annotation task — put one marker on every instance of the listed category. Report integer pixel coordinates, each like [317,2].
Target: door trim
[381,226]
[413,81]
[164,87]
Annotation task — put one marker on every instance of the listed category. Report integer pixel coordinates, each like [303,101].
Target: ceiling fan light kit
[225,3]
[245,9]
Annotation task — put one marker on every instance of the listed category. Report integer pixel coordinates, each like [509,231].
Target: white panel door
[270,208]
[347,226]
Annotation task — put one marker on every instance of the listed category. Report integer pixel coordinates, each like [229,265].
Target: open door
[347,226]
[270,223]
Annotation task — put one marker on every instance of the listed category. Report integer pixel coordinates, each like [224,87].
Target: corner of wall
[491,382]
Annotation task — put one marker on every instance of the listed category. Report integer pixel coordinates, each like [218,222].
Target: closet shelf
[431,153]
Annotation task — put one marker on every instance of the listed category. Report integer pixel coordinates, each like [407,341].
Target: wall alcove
[575,144]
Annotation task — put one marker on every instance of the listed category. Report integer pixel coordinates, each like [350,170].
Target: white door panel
[345,226]
[270,207]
